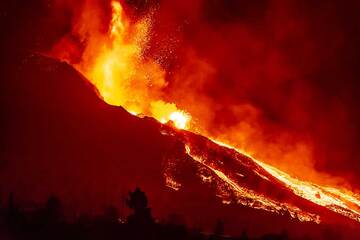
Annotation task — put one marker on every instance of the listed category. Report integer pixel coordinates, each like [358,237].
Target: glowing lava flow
[124,77]
[342,202]
[331,198]
[252,199]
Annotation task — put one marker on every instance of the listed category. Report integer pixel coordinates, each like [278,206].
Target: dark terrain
[59,138]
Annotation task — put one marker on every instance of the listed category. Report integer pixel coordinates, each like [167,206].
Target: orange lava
[116,66]
[124,77]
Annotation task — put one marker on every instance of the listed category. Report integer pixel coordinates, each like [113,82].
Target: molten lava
[117,66]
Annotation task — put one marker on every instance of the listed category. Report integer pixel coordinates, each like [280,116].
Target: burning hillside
[117,63]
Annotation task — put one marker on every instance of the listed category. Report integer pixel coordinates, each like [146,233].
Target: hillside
[59,137]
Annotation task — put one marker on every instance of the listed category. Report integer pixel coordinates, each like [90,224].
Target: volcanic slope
[59,137]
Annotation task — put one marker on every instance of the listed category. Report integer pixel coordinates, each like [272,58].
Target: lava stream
[339,201]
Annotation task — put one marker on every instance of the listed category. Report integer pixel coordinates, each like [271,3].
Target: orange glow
[165,112]
[339,201]
[180,119]
[256,200]
[116,65]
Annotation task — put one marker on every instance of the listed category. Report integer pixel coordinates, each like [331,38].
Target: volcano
[60,138]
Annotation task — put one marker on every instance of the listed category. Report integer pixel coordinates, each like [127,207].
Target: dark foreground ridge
[48,222]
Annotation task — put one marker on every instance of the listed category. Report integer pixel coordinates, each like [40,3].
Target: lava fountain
[116,66]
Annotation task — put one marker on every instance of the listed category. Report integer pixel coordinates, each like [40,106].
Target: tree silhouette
[11,206]
[138,202]
[219,228]
[52,212]
[14,216]
[11,211]
[244,236]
